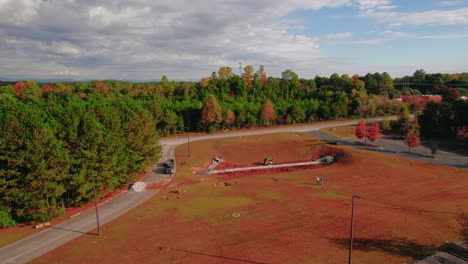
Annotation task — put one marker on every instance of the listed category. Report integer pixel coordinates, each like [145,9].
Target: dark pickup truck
[169,166]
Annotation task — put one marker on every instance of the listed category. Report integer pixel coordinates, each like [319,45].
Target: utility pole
[240,69]
[350,258]
[188,143]
[96,206]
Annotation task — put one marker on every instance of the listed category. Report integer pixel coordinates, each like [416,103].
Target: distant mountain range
[9,80]
[2,79]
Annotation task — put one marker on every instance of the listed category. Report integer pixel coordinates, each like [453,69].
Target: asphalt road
[36,245]
[396,147]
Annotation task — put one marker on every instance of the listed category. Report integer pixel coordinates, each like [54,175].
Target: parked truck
[169,166]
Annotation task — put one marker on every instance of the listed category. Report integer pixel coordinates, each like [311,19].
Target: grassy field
[408,208]
[344,132]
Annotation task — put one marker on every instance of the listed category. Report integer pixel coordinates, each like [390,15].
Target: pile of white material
[138,187]
[326,160]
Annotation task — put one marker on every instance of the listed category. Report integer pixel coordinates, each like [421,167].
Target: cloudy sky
[188,39]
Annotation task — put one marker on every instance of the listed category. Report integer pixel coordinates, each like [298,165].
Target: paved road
[34,246]
[397,148]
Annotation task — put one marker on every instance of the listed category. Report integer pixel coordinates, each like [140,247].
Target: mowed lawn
[345,132]
[407,210]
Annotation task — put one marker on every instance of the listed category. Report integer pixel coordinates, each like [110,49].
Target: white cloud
[146,39]
[450,3]
[389,35]
[67,73]
[18,12]
[339,36]
[431,17]
[371,41]
[60,48]
[374,4]
[442,36]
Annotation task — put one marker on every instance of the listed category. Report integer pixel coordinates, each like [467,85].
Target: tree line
[54,144]
[55,138]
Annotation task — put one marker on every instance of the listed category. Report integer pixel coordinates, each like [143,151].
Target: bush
[5,219]
[386,125]
[462,219]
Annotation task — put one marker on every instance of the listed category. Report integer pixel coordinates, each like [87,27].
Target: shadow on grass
[210,255]
[399,246]
[410,209]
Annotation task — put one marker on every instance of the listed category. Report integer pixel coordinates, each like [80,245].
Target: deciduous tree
[268,113]
[230,118]
[248,75]
[211,114]
[263,76]
[224,73]
[412,138]
[374,132]
[361,130]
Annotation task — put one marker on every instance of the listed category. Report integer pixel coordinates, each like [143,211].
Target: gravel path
[264,167]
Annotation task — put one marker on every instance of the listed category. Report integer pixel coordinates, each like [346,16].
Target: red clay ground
[285,217]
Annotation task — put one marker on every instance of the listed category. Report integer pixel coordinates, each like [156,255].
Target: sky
[189,39]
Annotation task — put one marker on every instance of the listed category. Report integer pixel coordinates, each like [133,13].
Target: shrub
[5,218]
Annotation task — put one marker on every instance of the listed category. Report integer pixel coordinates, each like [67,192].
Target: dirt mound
[337,154]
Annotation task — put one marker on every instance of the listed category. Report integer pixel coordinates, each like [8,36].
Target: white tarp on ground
[138,187]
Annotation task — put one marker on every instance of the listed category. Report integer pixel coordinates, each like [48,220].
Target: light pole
[96,206]
[350,258]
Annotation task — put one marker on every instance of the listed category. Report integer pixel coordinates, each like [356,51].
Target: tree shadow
[74,231]
[416,154]
[399,246]
[459,147]
[210,255]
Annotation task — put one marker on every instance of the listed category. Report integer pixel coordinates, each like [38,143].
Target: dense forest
[57,138]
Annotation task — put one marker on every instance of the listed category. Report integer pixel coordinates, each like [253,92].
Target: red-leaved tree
[374,132]
[20,89]
[360,131]
[412,137]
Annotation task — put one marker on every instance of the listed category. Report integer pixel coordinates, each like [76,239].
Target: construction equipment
[268,161]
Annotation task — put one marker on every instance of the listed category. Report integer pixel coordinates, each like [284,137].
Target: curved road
[34,246]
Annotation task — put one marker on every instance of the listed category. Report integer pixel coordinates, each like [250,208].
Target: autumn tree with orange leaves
[263,76]
[230,118]
[211,114]
[268,113]
[247,76]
